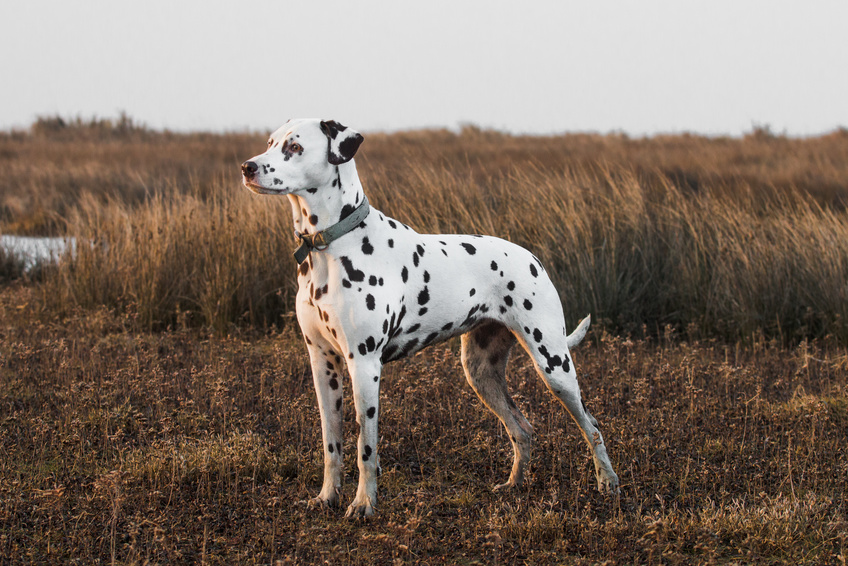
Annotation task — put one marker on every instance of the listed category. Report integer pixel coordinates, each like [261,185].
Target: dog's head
[302,154]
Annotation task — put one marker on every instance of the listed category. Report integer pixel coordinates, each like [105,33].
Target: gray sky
[715,67]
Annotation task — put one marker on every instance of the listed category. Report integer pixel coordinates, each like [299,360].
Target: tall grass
[717,237]
[180,260]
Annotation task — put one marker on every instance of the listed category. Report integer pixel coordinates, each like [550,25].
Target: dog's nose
[249,169]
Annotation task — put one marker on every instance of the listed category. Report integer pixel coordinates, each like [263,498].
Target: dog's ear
[342,142]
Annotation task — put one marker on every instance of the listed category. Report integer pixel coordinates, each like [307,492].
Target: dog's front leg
[365,377]
[327,377]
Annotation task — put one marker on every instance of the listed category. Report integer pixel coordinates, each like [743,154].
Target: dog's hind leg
[553,363]
[485,352]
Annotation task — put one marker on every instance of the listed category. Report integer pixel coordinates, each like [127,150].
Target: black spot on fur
[363,349]
[423,296]
[313,219]
[404,274]
[469,248]
[334,383]
[339,406]
[392,224]
[345,283]
[413,328]
[511,285]
[553,361]
[371,411]
[426,277]
[349,145]
[447,327]
[527,304]
[367,248]
[330,448]
[372,280]
[422,311]
[415,259]
[494,266]
[409,347]
[369,302]
[508,301]
[533,271]
[394,325]
[352,273]
[420,249]
[391,243]
[471,292]
[537,335]
[369,343]
[388,353]
[483,335]
[470,318]
[347,210]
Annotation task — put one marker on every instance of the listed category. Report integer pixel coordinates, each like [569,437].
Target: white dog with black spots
[372,290]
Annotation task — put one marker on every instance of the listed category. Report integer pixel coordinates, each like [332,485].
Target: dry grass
[156,403]
[181,447]
[716,237]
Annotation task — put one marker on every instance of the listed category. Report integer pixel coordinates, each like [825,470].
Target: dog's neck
[318,210]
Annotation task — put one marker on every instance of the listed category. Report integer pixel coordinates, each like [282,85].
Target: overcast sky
[714,67]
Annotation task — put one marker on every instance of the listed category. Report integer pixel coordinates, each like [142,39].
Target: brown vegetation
[156,404]
[717,237]
[181,447]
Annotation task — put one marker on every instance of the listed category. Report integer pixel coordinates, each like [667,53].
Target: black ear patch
[342,142]
[332,128]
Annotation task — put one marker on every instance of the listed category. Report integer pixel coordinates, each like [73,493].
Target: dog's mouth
[255,187]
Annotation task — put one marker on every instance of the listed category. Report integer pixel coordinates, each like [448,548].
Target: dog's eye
[296,148]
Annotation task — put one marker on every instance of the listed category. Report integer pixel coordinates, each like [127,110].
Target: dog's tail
[579,333]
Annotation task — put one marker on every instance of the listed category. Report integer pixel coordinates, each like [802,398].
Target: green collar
[320,240]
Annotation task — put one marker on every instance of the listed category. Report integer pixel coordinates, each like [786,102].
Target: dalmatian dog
[371,290]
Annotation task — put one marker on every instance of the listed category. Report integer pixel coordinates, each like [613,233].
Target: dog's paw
[506,486]
[607,481]
[361,508]
[326,499]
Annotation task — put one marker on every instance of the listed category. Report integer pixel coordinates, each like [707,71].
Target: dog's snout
[249,169]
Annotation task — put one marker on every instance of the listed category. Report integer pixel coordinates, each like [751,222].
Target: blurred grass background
[712,236]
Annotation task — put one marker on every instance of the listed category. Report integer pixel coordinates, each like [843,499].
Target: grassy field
[156,403]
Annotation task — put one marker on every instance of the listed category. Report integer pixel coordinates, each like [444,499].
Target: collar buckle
[321,240]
